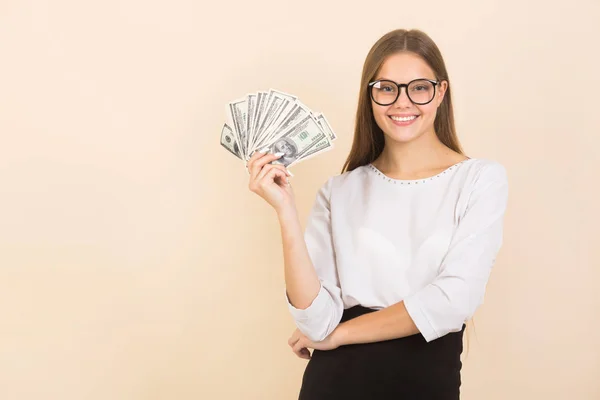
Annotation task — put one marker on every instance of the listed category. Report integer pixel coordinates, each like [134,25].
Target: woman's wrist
[287,213]
[341,336]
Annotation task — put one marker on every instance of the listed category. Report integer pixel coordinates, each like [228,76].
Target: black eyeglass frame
[400,86]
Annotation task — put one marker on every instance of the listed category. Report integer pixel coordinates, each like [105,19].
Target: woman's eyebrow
[381,78]
[388,79]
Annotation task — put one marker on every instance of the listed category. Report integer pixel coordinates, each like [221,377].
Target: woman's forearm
[301,280]
[392,322]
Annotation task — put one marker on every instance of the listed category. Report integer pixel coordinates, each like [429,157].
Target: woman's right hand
[270,181]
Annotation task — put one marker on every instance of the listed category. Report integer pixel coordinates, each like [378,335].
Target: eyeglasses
[419,91]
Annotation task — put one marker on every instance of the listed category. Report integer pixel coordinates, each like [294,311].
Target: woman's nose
[403,100]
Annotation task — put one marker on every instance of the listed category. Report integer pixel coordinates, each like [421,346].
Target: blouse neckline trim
[416,181]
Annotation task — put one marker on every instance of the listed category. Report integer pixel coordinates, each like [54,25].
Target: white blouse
[375,241]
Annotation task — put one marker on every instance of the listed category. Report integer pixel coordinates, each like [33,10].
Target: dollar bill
[297,140]
[274,103]
[325,126]
[298,112]
[265,131]
[324,144]
[276,100]
[238,114]
[261,103]
[229,141]
[251,100]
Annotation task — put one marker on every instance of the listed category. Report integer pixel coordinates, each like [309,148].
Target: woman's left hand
[300,343]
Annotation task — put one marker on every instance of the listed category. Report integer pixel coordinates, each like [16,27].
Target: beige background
[136,264]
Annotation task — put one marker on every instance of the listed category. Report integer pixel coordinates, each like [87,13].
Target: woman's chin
[402,136]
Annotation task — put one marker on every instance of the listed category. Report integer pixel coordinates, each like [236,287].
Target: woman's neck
[420,156]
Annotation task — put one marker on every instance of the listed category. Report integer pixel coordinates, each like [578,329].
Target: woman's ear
[443,86]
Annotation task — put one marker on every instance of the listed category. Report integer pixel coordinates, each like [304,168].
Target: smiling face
[404,121]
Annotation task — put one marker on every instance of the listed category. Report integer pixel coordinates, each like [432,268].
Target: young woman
[399,247]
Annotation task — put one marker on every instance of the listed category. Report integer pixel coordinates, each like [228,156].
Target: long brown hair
[368,138]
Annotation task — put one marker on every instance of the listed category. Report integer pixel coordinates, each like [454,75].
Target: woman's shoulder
[346,179]
[344,182]
[480,170]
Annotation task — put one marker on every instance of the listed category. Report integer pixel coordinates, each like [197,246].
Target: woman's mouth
[403,121]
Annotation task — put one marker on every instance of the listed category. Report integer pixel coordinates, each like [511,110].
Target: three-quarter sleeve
[451,299]
[325,312]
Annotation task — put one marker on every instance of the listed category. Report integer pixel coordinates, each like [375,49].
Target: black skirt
[400,369]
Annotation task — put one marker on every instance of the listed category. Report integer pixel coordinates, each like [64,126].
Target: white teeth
[403,119]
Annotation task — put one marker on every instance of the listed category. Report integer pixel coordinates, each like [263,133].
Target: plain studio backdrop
[136,264]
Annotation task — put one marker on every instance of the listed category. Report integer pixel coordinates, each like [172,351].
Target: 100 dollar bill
[297,140]
[229,141]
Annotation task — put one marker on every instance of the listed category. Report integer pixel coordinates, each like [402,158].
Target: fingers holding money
[258,161]
[272,174]
[262,173]
[267,170]
[255,156]
[272,185]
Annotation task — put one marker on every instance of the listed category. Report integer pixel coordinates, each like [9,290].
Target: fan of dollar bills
[278,122]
